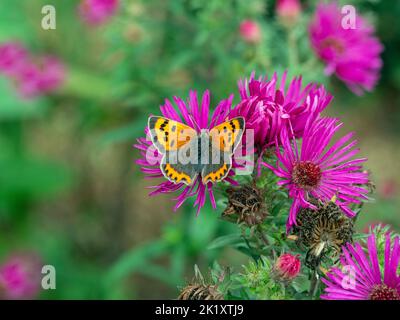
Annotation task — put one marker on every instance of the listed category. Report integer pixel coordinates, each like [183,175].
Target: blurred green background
[69,187]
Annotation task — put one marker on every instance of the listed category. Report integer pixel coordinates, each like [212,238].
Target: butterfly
[188,154]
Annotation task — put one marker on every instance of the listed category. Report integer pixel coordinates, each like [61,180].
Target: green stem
[314,284]
[292,49]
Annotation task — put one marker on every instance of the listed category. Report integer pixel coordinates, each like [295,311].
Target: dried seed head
[245,205]
[200,292]
[199,289]
[322,232]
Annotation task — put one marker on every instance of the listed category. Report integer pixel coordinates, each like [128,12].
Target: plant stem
[292,49]
[263,238]
[314,283]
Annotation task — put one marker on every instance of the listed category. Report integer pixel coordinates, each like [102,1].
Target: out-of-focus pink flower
[250,31]
[34,79]
[288,10]
[96,12]
[287,266]
[353,55]
[12,54]
[52,74]
[20,277]
[32,76]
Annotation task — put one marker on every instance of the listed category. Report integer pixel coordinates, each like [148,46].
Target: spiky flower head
[200,289]
[287,267]
[245,205]
[322,232]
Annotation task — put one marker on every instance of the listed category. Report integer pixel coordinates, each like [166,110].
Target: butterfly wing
[169,135]
[173,138]
[227,135]
[224,139]
[177,172]
[215,172]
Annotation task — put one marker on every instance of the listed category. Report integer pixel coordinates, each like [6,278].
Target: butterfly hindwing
[169,135]
[217,170]
[224,140]
[177,172]
[227,135]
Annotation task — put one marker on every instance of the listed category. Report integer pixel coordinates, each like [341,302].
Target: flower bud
[288,11]
[287,267]
[250,31]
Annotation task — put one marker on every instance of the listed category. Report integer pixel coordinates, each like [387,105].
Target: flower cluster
[297,150]
[278,117]
[33,75]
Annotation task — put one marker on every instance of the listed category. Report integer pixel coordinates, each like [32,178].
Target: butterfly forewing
[169,135]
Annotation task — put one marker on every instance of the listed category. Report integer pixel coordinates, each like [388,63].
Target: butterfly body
[188,154]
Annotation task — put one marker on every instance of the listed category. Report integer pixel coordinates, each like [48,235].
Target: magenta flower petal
[269,106]
[368,281]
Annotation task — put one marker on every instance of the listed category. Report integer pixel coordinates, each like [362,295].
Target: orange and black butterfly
[187,153]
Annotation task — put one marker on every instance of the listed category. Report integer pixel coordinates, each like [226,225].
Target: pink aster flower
[12,54]
[317,171]
[38,78]
[20,277]
[361,277]
[250,31]
[96,12]
[268,106]
[353,54]
[197,116]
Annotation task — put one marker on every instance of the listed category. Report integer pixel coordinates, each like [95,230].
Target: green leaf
[301,283]
[225,241]
[134,259]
